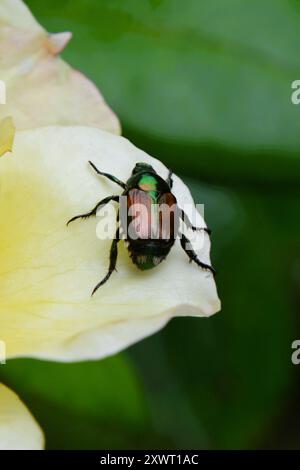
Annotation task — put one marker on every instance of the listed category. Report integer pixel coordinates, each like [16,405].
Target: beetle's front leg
[189,224]
[192,255]
[107,175]
[95,209]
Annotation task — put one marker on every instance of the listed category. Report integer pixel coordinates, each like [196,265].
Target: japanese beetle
[145,188]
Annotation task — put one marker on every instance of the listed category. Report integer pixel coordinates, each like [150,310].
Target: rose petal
[48,270]
[7,133]
[41,88]
[18,429]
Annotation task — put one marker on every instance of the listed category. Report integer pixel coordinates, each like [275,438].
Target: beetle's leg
[94,211]
[110,177]
[170,179]
[112,260]
[193,256]
[189,224]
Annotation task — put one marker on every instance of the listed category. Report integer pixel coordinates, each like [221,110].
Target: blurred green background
[205,86]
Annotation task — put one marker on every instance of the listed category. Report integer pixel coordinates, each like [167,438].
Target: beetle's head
[140,167]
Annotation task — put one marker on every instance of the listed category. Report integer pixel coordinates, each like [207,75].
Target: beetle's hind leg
[107,175]
[193,256]
[189,224]
[94,210]
[112,260]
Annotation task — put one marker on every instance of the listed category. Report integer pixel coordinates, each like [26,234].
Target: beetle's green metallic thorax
[145,178]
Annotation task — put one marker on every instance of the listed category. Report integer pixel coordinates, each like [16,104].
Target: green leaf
[208,81]
[225,380]
[97,404]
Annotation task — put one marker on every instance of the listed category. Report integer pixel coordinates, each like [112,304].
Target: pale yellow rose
[7,133]
[18,429]
[47,270]
[41,88]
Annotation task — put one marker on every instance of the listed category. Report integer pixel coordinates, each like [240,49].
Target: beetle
[146,188]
